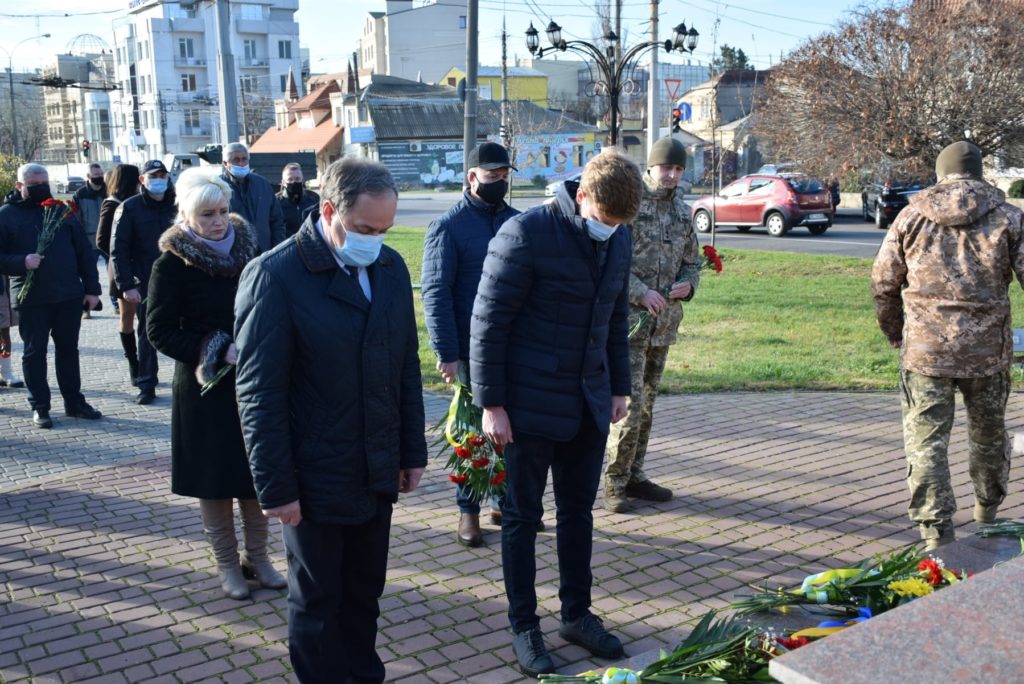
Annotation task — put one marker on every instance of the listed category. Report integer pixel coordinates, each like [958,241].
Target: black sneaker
[83,410]
[648,491]
[41,419]
[531,653]
[589,632]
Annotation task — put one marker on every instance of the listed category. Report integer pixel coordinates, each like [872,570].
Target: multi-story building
[523,83]
[419,43]
[166,62]
[77,105]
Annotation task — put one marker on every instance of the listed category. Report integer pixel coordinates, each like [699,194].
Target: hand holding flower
[681,290]
[33,261]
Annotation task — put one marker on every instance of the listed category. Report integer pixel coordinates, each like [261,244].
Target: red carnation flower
[498,479]
[481,462]
[476,441]
[463,452]
[499,449]
[458,479]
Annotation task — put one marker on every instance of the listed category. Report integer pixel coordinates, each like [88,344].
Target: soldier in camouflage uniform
[940,284]
[665,270]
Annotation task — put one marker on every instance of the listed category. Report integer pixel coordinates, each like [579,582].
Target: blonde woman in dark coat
[191,318]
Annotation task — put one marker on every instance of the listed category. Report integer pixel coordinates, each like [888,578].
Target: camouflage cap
[667,151]
[960,157]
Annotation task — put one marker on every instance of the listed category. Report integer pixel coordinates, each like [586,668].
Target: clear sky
[331,28]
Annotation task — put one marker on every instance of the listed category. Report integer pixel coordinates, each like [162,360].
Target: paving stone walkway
[106,576]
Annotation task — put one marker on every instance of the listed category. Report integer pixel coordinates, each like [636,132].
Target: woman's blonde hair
[199,187]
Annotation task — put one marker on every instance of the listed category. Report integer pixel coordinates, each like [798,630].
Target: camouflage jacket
[941,279]
[665,251]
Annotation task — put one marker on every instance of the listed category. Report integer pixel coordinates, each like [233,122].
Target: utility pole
[226,75]
[653,118]
[245,117]
[469,126]
[505,134]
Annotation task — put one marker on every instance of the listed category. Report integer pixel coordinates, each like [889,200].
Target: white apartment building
[418,41]
[166,64]
[80,114]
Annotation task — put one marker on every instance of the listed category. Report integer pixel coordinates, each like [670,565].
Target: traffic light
[675,119]
[85,149]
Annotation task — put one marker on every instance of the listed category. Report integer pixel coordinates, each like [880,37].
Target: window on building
[284,82]
[250,12]
[188,83]
[249,46]
[186,50]
[284,49]
[191,118]
[462,21]
[249,84]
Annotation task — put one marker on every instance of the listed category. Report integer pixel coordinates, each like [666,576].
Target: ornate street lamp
[10,83]
[611,70]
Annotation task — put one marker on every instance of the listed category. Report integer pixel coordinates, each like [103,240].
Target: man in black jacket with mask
[65,280]
[138,224]
[296,201]
[453,258]
[252,196]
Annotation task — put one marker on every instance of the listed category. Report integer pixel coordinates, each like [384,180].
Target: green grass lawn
[770,320]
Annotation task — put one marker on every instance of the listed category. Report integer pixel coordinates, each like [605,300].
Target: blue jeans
[575,473]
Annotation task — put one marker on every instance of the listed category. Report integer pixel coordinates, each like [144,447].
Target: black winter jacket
[551,322]
[134,240]
[295,213]
[89,200]
[453,258]
[68,270]
[329,384]
[253,198]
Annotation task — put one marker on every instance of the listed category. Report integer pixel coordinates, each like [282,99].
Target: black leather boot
[131,352]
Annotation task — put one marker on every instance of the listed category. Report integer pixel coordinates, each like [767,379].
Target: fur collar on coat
[197,254]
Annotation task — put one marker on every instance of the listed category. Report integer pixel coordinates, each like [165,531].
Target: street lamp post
[611,69]
[10,84]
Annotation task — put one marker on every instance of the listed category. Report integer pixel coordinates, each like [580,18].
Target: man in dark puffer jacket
[549,361]
[331,404]
[453,257]
[65,280]
[138,224]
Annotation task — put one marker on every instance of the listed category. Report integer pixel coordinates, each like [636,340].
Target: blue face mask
[239,171]
[599,231]
[359,249]
[156,186]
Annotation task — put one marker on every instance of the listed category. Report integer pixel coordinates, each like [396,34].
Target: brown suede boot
[469,530]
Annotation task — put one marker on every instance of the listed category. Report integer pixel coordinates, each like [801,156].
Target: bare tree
[890,88]
[31,127]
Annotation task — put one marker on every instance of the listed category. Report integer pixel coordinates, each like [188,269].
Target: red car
[776,202]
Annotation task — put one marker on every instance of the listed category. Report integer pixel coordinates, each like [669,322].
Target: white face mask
[359,249]
[239,171]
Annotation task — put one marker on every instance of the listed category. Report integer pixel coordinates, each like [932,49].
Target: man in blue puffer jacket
[549,361]
[453,258]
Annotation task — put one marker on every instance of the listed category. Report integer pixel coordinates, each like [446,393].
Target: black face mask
[493,192]
[98,182]
[294,189]
[39,193]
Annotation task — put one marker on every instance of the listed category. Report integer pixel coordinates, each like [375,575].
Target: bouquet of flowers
[716,650]
[711,262]
[54,214]
[1006,528]
[475,462]
[877,585]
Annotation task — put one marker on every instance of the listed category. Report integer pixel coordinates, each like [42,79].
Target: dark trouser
[148,365]
[335,576]
[575,473]
[37,324]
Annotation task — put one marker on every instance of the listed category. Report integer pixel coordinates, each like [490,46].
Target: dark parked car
[776,202]
[882,202]
[72,184]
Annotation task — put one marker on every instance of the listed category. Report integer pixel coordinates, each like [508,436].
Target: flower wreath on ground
[476,463]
